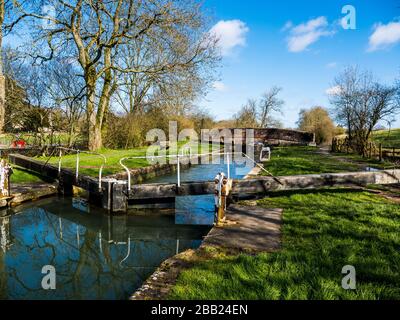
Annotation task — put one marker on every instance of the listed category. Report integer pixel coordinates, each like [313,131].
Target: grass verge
[309,160]
[322,232]
[387,138]
[90,164]
[21,175]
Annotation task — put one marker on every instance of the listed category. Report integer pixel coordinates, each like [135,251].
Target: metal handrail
[262,168]
[78,159]
[128,172]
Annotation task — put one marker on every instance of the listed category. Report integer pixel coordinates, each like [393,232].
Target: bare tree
[65,93]
[269,104]
[247,115]
[96,31]
[360,102]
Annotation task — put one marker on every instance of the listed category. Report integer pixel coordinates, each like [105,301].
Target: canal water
[96,256]
[200,209]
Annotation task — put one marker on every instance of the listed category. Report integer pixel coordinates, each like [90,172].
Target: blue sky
[299,46]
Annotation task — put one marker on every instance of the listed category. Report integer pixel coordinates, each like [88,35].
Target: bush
[317,120]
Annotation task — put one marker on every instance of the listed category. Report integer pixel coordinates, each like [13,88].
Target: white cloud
[331,65]
[287,26]
[305,34]
[219,86]
[231,34]
[333,91]
[384,35]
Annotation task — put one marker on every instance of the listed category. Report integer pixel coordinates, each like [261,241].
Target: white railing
[177,156]
[78,152]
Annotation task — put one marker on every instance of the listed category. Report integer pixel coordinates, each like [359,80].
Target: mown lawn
[387,138]
[21,175]
[322,232]
[308,160]
[90,164]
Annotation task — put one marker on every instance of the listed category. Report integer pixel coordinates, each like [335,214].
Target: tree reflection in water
[95,256]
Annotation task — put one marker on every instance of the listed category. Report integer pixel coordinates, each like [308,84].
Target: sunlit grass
[307,160]
[322,232]
[90,164]
[388,138]
[21,175]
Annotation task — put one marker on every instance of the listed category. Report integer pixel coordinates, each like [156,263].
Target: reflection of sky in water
[195,210]
[206,172]
[200,209]
[95,256]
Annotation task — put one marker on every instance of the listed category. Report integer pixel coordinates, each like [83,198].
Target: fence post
[370,150]
[380,152]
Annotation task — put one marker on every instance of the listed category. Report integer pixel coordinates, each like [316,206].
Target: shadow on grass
[29,176]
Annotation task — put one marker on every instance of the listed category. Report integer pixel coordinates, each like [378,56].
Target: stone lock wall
[275,137]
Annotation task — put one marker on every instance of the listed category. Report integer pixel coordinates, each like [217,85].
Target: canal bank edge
[24,192]
[262,230]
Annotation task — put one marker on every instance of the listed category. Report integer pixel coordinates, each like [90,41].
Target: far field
[388,138]
[311,160]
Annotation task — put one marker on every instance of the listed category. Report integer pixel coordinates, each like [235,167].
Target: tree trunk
[2,101]
[2,78]
[95,138]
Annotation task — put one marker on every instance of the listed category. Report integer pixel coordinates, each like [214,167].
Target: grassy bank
[21,175]
[322,232]
[387,138]
[310,160]
[90,164]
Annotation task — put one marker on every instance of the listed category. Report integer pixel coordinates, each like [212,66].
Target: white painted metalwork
[77,166]
[178,170]
[128,253]
[78,152]
[128,172]
[263,151]
[228,168]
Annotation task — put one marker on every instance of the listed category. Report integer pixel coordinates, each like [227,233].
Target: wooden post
[370,150]
[380,152]
[394,152]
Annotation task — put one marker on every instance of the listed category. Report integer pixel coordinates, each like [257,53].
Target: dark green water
[95,256]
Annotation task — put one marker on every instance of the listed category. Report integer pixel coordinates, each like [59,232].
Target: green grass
[21,175]
[90,164]
[304,160]
[322,232]
[388,138]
